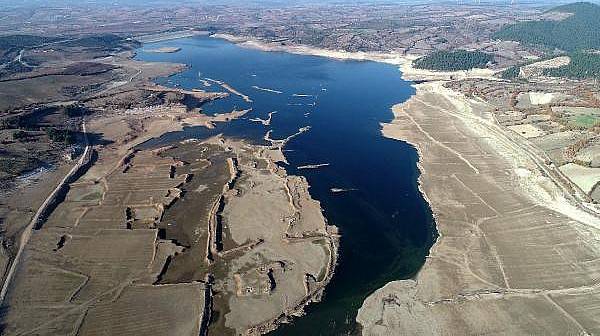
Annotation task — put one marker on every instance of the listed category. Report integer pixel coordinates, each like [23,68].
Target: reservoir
[366,183]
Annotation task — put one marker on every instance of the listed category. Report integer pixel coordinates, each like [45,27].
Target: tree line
[580,31]
[583,65]
[454,60]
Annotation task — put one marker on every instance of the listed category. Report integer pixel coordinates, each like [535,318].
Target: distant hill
[454,60]
[22,41]
[580,31]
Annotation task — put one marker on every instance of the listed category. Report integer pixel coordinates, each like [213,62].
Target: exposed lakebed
[366,183]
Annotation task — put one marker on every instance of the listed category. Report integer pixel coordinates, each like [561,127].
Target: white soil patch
[527,99]
[554,63]
[584,177]
[540,98]
[590,155]
[527,130]
[522,172]
[201,188]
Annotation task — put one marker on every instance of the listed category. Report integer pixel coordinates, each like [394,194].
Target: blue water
[385,223]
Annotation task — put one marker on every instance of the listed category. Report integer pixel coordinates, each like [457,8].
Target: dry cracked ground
[513,258]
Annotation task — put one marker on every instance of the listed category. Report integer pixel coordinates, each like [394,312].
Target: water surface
[384,221]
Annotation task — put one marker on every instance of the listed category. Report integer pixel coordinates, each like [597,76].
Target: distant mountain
[579,31]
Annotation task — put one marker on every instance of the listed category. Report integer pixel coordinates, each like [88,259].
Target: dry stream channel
[366,183]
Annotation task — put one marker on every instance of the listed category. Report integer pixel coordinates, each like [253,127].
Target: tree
[454,60]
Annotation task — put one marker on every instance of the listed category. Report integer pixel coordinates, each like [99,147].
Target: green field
[584,120]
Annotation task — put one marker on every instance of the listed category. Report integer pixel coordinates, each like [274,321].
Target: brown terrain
[96,229]
[102,235]
[102,254]
[517,251]
[43,111]
[133,229]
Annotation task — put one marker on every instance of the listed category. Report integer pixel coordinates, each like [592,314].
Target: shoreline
[540,187]
[163,50]
[427,301]
[404,62]
[167,36]
[407,72]
[274,154]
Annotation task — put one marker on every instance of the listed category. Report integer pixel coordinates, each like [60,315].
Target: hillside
[22,41]
[583,65]
[580,31]
[454,60]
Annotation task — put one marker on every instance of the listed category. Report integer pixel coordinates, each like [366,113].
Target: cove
[369,186]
